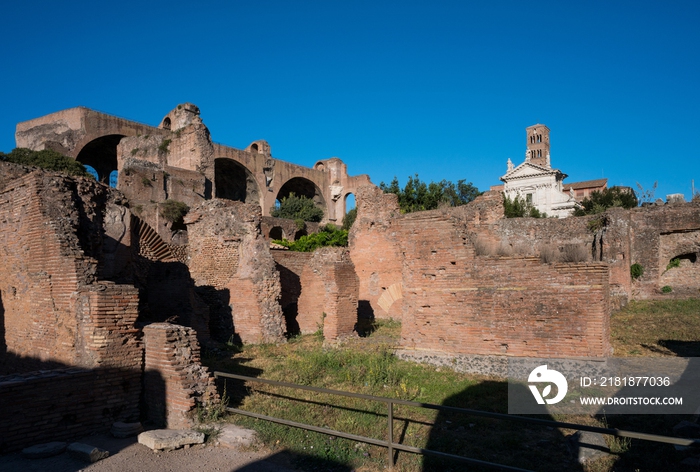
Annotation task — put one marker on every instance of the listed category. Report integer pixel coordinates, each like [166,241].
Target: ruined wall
[659,234]
[374,250]
[457,302]
[273,228]
[65,404]
[230,261]
[175,382]
[53,229]
[329,291]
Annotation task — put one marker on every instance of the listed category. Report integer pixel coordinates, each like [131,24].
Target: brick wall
[330,287]
[456,302]
[374,250]
[65,404]
[228,254]
[175,382]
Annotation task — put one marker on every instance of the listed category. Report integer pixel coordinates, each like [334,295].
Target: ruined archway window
[91,170]
[113,177]
[299,234]
[691,256]
[277,233]
[166,123]
[254,147]
[233,181]
[101,155]
[349,202]
[300,186]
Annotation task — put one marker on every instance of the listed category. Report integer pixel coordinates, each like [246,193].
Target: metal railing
[393,446]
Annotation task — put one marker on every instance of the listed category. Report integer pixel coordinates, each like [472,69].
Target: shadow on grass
[500,441]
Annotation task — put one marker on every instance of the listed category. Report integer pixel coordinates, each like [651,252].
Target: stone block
[41,451]
[86,452]
[235,437]
[169,439]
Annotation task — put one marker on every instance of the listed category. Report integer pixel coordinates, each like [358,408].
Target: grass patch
[367,365]
[657,328]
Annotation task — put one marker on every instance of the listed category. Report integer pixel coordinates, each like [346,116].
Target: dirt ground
[126,455]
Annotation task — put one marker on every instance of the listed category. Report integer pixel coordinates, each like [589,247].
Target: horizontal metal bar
[444,455]
[376,442]
[332,432]
[486,414]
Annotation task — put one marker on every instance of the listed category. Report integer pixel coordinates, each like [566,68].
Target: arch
[299,234]
[167,123]
[348,202]
[101,155]
[691,257]
[91,170]
[300,186]
[233,181]
[276,233]
[113,178]
[254,147]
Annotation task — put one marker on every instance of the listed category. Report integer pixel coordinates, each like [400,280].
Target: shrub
[328,236]
[173,211]
[146,182]
[673,263]
[301,207]
[549,254]
[164,146]
[46,159]
[636,271]
[666,289]
[574,253]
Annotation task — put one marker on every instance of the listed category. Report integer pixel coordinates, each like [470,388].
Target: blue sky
[444,89]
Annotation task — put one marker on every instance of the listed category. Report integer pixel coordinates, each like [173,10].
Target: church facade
[536,182]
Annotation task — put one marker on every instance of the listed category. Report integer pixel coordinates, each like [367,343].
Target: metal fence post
[391,433]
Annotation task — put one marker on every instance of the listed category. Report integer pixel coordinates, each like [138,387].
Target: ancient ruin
[107,299]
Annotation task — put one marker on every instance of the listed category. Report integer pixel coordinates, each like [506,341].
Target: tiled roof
[598,183]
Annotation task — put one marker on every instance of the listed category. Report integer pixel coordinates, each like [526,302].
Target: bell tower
[538,145]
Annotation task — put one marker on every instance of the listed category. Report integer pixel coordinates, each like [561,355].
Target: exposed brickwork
[175,382]
[329,286]
[456,302]
[65,404]
[285,228]
[375,252]
[228,253]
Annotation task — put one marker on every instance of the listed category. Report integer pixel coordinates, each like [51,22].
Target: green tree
[349,219]
[295,208]
[46,159]
[519,208]
[599,201]
[418,196]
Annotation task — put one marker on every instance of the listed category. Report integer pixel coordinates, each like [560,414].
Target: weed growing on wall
[46,159]
[173,211]
[636,271]
[328,236]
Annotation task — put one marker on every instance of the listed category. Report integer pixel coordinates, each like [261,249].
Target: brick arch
[234,181]
[302,186]
[101,155]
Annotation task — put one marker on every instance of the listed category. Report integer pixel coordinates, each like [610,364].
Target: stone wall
[230,261]
[175,382]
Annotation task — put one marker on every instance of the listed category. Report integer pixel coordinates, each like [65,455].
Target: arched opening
[254,147]
[91,170]
[277,233]
[166,123]
[691,257]
[300,186]
[299,234]
[349,202]
[234,182]
[113,178]
[101,155]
